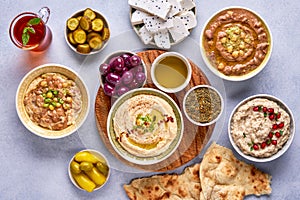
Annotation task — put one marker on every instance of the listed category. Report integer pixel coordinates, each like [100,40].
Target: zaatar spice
[203,105]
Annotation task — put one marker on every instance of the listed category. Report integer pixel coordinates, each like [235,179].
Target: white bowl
[285,146]
[118,53]
[80,13]
[156,63]
[215,118]
[126,154]
[23,86]
[101,157]
[235,77]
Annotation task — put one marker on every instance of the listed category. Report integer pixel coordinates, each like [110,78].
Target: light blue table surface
[35,168]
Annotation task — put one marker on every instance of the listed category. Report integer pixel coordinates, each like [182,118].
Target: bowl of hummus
[261,128]
[236,43]
[52,101]
[145,126]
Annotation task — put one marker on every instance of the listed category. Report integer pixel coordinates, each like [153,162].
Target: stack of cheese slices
[163,22]
[220,176]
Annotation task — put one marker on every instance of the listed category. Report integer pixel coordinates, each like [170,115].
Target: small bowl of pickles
[89,170]
[87,32]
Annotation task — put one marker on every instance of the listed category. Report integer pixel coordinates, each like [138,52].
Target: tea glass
[38,35]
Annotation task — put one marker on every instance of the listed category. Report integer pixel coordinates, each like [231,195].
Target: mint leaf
[31,30]
[25,38]
[34,21]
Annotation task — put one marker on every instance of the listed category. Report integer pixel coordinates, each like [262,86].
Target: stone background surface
[36,168]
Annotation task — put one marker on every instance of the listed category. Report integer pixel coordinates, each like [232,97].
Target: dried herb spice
[203,105]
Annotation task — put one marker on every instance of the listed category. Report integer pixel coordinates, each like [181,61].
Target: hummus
[145,125]
[260,127]
[53,101]
[236,41]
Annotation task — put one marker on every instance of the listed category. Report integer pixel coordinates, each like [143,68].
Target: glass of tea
[29,31]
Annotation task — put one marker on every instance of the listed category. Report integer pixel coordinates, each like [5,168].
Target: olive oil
[171,72]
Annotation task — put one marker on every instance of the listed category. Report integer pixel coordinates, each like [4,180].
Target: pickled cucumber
[85,23]
[103,168]
[84,182]
[96,176]
[97,25]
[71,39]
[95,43]
[89,13]
[86,166]
[89,170]
[87,31]
[91,35]
[105,34]
[79,36]
[72,24]
[83,48]
[85,156]
[75,167]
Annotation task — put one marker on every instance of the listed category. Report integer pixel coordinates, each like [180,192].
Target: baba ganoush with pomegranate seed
[236,41]
[53,101]
[260,127]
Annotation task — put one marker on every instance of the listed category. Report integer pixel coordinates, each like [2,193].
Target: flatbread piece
[224,177]
[185,186]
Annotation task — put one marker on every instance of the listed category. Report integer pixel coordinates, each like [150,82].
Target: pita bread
[224,177]
[168,186]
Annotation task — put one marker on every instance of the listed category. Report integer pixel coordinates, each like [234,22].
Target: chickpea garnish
[49,94]
[235,54]
[66,106]
[51,107]
[69,99]
[43,83]
[65,84]
[221,66]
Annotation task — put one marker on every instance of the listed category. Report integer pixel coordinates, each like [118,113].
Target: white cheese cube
[162,39]
[175,8]
[145,35]
[188,18]
[154,24]
[187,4]
[137,17]
[158,8]
[178,31]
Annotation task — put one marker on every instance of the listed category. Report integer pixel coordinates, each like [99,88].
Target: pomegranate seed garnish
[274,126]
[274,142]
[278,115]
[281,125]
[255,108]
[265,109]
[263,145]
[270,135]
[271,117]
[271,110]
[255,147]
[277,134]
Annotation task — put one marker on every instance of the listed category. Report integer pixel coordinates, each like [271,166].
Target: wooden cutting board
[194,137]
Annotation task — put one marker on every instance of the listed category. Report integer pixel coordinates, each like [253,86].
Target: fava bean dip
[236,41]
[53,101]
[260,127]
